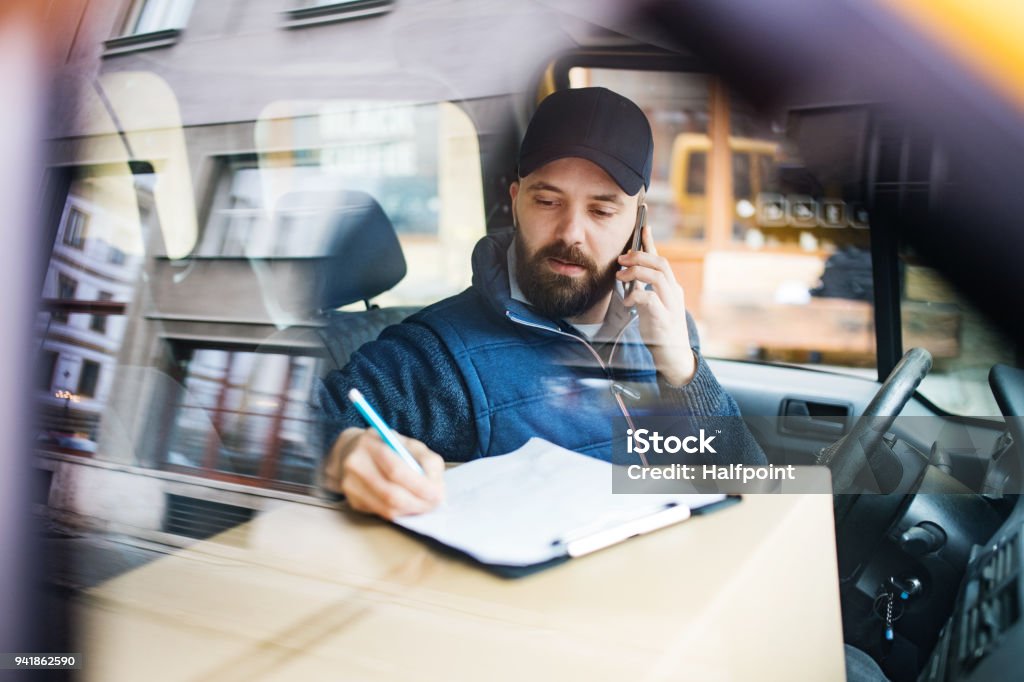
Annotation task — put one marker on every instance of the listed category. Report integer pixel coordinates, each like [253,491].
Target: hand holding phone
[660,305]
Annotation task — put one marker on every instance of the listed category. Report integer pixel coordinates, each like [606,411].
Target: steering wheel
[848,456]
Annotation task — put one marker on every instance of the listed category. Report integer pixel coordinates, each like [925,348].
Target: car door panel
[772,399]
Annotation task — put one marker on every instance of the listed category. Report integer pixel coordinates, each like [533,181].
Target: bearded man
[564,329]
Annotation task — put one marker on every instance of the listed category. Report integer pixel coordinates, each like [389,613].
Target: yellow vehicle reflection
[753,164]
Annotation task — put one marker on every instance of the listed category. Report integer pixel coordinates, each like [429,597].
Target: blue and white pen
[386,434]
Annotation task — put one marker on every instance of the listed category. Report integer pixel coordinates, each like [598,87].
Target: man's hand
[662,310]
[373,479]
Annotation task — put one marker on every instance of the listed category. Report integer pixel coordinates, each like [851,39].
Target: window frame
[312,14]
[128,39]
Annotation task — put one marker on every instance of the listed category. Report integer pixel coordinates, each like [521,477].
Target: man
[552,339]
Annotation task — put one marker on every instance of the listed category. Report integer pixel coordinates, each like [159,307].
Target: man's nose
[572,226]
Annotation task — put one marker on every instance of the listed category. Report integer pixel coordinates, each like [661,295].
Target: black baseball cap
[594,124]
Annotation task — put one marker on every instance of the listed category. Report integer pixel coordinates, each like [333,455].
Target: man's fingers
[647,260]
[668,290]
[375,479]
[642,298]
[357,499]
[647,237]
[379,496]
[394,469]
[334,467]
[648,275]
[432,463]
[332,472]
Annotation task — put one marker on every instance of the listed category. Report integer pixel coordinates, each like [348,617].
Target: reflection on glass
[281,206]
[91,278]
[157,15]
[788,277]
[420,162]
[677,106]
[246,414]
[774,261]
[964,344]
[193,432]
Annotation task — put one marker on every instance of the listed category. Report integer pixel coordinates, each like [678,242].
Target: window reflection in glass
[246,415]
[678,107]
[390,152]
[420,162]
[157,15]
[74,227]
[775,262]
[85,295]
[964,343]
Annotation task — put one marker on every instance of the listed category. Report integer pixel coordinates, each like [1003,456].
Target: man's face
[572,221]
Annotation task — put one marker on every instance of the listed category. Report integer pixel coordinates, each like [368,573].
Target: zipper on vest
[597,356]
[628,392]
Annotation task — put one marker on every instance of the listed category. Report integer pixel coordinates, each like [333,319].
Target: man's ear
[513,192]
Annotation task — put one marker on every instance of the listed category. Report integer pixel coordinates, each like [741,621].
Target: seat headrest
[362,258]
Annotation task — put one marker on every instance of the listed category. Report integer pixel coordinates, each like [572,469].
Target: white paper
[519,509]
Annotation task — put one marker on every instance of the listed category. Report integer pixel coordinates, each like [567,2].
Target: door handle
[814,417]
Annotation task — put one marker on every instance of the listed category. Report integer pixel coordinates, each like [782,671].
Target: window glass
[775,261]
[696,173]
[47,367]
[157,15]
[158,357]
[66,288]
[678,108]
[99,322]
[964,344]
[85,296]
[742,184]
[75,227]
[88,379]
[247,415]
[419,162]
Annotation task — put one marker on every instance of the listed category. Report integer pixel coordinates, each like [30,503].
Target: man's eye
[544,202]
[601,213]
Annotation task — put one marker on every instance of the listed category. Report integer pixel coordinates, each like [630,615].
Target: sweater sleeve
[705,400]
[412,380]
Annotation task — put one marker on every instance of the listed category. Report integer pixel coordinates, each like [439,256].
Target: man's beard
[561,296]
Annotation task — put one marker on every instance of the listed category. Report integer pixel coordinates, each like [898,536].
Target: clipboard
[513,572]
[542,505]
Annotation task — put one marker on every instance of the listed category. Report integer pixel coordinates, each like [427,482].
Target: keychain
[888,610]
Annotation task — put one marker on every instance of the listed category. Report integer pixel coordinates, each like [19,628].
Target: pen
[587,542]
[388,436]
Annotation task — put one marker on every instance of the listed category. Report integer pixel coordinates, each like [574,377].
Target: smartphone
[636,243]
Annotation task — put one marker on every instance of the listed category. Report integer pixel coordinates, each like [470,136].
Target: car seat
[363,259]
